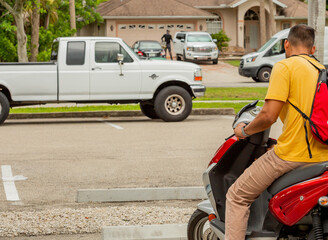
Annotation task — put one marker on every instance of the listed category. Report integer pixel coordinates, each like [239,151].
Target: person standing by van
[167,38]
[293,80]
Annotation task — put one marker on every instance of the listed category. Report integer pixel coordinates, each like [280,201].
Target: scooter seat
[300,174]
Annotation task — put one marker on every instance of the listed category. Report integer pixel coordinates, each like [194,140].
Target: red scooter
[294,207]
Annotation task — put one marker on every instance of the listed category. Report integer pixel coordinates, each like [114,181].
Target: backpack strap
[306,131]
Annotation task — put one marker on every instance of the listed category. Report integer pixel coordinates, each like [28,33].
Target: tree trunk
[17,12]
[21,38]
[272,28]
[35,30]
[72,14]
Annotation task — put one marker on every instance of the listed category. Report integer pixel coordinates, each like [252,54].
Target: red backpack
[318,119]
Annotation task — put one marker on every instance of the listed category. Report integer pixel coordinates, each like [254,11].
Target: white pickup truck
[102,70]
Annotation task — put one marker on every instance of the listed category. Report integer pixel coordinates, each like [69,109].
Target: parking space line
[112,125]
[9,184]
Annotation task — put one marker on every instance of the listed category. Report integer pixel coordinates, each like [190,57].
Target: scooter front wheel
[199,227]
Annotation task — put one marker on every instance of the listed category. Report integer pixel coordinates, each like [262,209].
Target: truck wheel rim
[174,104]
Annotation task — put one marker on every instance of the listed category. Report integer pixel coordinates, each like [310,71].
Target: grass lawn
[234,63]
[246,93]
[124,107]
[211,94]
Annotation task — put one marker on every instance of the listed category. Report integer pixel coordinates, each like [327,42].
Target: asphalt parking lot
[58,157]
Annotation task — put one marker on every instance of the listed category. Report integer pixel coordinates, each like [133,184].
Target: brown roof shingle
[144,8]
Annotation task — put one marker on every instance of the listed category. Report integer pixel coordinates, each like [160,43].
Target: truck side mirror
[120,57]
[215,40]
[182,40]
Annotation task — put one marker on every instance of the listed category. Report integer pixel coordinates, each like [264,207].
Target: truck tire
[173,104]
[215,61]
[148,110]
[4,108]
[184,56]
[178,57]
[264,74]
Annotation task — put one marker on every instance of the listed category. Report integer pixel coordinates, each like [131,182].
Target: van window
[267,44]
[106,52]
[277,49]
[75,53]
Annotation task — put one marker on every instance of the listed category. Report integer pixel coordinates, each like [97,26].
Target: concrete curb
[140,194]
[102,114]
[151,232]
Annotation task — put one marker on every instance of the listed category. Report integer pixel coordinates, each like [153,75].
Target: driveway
[225,75]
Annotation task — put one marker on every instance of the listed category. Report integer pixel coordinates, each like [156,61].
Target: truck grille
[241,63]
[202,49]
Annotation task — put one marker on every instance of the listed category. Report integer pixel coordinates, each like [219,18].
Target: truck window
[181,36]
[54,51]
[199,38]
[75,53]
[106,52]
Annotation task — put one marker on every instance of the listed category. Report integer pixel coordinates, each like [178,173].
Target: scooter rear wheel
[199,227]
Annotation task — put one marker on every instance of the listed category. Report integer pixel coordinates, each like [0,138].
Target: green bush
[222,39]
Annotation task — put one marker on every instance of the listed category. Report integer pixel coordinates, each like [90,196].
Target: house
[241,19]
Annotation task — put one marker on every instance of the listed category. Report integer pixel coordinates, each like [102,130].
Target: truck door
[106,80]
[73,70]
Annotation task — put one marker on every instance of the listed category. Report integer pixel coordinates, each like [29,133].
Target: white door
[74,70]
[106,80]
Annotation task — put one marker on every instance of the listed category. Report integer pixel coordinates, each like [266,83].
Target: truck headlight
[251,59]
[198,74]
[214,49]
[190,49]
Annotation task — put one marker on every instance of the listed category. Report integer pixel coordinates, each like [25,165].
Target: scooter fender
[206,206]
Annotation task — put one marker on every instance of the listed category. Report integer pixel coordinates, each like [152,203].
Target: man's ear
[313,50]
[286,44]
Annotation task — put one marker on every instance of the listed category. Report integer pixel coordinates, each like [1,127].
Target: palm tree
[72,14]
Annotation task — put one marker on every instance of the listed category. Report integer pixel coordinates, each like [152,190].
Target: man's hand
[238,132]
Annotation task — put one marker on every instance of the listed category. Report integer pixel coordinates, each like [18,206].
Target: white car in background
[196,46]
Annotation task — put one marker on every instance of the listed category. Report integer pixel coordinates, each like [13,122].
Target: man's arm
[268,115]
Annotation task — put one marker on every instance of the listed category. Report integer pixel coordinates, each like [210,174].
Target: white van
[196,46]
[258,65]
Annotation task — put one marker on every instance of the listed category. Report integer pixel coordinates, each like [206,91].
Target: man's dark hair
[303,35]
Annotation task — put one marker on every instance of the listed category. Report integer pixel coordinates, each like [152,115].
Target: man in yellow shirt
[292,80]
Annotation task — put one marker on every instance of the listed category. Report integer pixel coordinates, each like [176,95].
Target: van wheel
[264,74]
[178,57]
[173,104]
[4,108]
[148,110]
[215,61]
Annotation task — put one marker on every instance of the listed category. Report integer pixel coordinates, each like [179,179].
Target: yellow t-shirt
[295,79]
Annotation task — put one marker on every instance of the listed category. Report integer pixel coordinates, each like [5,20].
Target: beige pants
[255,179]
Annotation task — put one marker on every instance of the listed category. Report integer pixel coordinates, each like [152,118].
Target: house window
[190,26]
[151,27]
[122,27]
[180,26]
[170,26]
[160,26]
[142,26]
[132,26]
[214,25]
[285,25]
